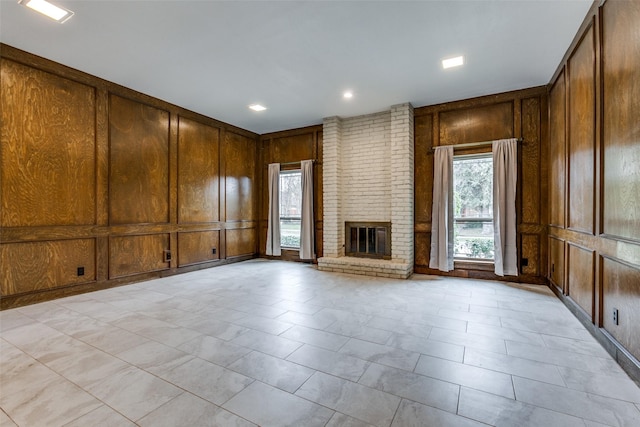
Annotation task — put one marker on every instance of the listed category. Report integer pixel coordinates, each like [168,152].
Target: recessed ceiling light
[257,107]
[452,62]
[54,12]
[347,95]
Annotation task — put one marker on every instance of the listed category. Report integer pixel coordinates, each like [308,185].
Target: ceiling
[297,58]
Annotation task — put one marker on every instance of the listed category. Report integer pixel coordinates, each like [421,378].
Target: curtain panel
[505,174]
[307,241]
[273,221]
[441,257]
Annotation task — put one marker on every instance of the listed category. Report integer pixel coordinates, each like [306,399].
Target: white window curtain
[505,175]
[307,242]
[442,212]
[273,224]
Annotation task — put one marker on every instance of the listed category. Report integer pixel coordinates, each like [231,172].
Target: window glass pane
[473,207]
[290,208]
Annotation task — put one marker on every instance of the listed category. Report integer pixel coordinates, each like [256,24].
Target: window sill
[473,265]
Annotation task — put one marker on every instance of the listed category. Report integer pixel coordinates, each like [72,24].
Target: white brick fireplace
[368,177]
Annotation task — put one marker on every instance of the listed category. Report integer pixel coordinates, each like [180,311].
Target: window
[473,207]
[290,208]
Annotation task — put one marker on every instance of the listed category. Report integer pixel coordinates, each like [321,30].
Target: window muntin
[473,207]
[290,208]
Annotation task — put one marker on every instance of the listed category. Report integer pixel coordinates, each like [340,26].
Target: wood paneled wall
[97,182]
[594,194]
[519,114]
[291,146]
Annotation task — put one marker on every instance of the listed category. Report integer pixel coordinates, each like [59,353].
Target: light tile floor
[276,343]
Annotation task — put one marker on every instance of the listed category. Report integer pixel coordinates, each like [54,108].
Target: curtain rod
[296,163]
[470,144]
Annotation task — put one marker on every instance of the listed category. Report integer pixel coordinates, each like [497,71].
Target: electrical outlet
[167,255]
[616,318]
[80,271]
[214,251]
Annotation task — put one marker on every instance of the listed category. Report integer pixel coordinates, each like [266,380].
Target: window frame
[459,261]
[297,171]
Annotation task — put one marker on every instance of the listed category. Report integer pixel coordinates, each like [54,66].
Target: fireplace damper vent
[368,239]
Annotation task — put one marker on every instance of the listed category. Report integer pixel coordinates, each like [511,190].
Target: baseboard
[28,298]
[626,360]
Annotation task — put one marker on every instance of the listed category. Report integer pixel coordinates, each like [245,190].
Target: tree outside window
[290,208]
[473,207]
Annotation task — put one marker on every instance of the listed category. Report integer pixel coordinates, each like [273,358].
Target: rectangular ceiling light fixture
[257,107]
[54,12]
[452,62]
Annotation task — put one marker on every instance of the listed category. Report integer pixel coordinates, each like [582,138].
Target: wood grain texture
[139,163]
[556,262]
[621,131]
[240,241]
[422,249]
[293,148]
[557,149]
[530,161]
[581,137]
[517,113]
[423,167]
[483,123]
[239,157]
[48,148]
[196,247]
[580,277]
[105,171]
[621,289]
[198,172]
[530,249]
[130,255]
[39,266]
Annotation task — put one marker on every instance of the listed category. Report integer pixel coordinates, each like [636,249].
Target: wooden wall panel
[423,168]
[556,262]
[99,176]
[240,171]
[293,148]
[483,123]
[422,249]
[198,172]
[48,146]
[602,71]
[240,242]
[580,277]
[139,163]
[530,152]
[130,255]
[621,107]
[530,250]
[39,266]
[519,113]
[581,137]
[196,247]
[557,148]
[621,289]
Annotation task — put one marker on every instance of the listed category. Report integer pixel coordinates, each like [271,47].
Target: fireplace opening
[368,239]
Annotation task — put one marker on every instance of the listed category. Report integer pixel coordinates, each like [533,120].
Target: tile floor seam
[519,347]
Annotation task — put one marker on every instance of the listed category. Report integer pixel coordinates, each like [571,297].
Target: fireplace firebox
[368,239]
